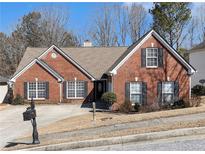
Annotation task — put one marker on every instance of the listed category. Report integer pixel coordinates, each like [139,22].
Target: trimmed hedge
[198,90]
[109,97]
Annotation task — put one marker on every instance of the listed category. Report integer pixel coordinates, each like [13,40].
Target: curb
[119,140]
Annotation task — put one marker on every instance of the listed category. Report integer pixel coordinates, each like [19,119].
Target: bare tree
[121,12]
[53,22]
[102,30]
[201,23]
[6,56]
[137,19]
[191,31]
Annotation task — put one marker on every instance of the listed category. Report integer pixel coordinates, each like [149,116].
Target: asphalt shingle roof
[95,60]
[3,79]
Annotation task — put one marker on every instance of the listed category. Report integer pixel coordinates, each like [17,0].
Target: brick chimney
[87,43]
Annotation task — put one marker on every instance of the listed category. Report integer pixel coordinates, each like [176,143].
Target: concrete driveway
[12,125]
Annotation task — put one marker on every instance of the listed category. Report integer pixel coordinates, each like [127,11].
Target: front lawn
[107,118]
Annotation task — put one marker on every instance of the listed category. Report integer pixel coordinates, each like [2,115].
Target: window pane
[135,98]
[41,94]
[41,90]
[80,89]
[41,86]
[80,85]
[80,93]
[71,93]
[167,97]
[167,87]
[32,86]
[32,94]
[71,85]
[135,88]
[71,89]
[32,90]
[152,56]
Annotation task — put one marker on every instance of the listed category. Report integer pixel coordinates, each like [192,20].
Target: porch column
[110,83]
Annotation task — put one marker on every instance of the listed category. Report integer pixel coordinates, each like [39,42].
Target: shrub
[178,104]
[126,107]
[18,100]
[149,107]
[109,97]
[198,90]
[195,101]
[137,107]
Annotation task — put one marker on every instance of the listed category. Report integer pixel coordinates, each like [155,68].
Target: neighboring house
[197,59]
[149,71]
[3,88]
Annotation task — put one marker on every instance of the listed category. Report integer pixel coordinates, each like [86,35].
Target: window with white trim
[136,92]
[75,89]
[36,90]
[167,91]
[151,57]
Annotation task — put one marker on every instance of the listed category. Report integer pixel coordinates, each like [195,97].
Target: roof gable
[41,63]
[133,48]
[95,60]
[68,58]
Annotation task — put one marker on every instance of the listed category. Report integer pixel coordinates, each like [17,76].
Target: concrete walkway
[12,125]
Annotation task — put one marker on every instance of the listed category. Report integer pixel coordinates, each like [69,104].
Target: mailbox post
[30,114]
[94,110]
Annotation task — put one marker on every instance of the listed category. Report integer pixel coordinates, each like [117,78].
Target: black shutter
[160,57]
[47,90]
[86,89]
[144,93]
[176,90]
[143,57]
[127,91]
[64,90]
[159,91]
[25,90]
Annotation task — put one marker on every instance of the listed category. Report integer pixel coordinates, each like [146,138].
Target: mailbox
[29,114]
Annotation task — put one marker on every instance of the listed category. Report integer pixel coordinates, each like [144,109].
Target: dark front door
[100,88]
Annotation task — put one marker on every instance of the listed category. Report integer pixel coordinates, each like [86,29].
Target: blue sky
[79,13]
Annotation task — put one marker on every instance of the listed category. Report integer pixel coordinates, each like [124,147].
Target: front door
[100,88]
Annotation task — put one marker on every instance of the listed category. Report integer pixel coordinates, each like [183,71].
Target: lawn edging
[120,139]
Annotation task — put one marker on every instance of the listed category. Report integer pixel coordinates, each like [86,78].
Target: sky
[79,13]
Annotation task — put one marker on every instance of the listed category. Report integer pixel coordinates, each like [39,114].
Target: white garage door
[3,91]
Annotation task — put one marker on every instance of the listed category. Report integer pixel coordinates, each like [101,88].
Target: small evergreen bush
[109,97]
[198,90]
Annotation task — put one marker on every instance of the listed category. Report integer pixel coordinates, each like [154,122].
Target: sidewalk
[120,140]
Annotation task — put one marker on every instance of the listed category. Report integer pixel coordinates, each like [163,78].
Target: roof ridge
[80,47]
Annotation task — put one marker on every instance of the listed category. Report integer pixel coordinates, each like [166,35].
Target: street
[188,143]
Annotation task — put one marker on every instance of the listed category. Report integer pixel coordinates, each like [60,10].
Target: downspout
[189,86]
[60,86]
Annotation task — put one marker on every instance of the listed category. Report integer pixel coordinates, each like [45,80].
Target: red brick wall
[64,67]
[69,72]
[132,68]
[36,71]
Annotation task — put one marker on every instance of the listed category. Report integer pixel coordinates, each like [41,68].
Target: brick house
[149,71]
